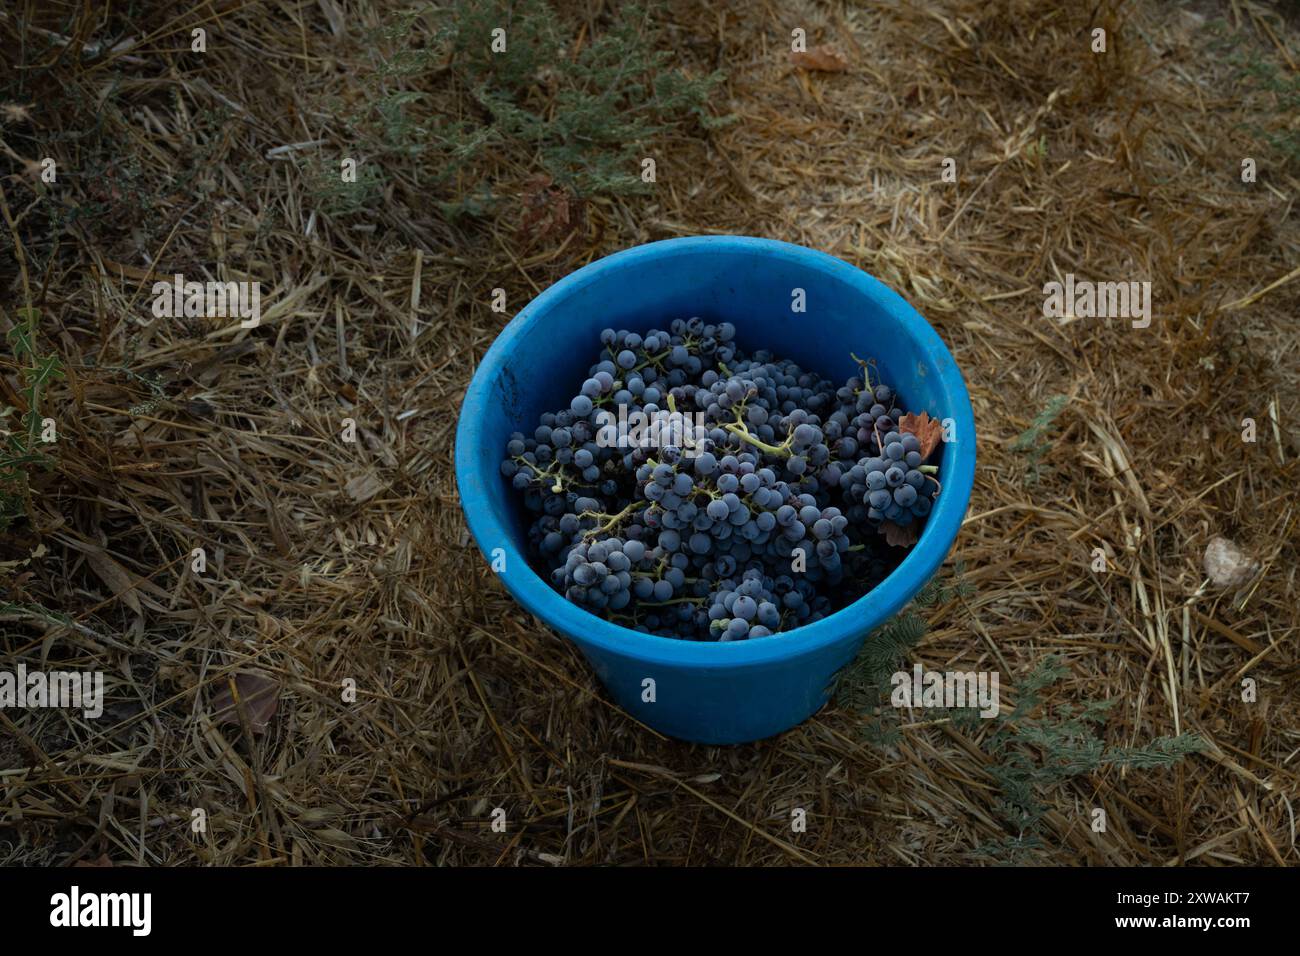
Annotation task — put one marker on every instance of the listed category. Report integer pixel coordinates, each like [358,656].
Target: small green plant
[1032,749]
[1255,75]
[583,109]
[1033,754]
[865,684]
[22,446]
[153,382]
[336,195]
[1033,441]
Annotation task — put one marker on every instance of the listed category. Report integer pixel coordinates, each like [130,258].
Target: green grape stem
[611,521]
[866,372]
[738,429]
[552,471]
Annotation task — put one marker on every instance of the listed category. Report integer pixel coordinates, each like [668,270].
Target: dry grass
[331,561]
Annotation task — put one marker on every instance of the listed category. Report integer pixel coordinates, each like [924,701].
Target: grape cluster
[750,504]
[760,605]
[892,486]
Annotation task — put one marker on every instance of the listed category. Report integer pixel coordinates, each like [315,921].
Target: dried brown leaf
[15,112]
[114,575]
[826,58]
[899,536]
[363,487]
[275,523]
[335,837]
[258,692]
[550,211]
[928,431]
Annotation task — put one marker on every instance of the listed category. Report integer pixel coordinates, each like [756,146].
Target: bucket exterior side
[722,705]
[711,692]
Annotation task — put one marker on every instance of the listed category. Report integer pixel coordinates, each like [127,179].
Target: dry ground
[331,561]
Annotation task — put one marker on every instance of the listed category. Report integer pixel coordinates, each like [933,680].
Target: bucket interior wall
[753,292]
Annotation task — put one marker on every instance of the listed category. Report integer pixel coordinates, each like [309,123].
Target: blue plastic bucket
[712,693]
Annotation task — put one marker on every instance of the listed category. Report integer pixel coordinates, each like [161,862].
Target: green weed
[1033,441]
[23,446]
[1033,750]
[586,118]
